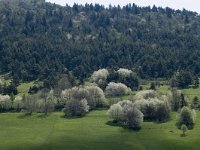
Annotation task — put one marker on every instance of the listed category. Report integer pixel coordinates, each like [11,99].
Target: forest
[43,41]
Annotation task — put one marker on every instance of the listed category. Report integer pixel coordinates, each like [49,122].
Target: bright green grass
[164,89]
[192,92]
[90,133]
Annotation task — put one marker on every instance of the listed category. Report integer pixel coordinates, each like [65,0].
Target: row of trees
[79,100]
[148,105]
[151,105]
[43,102]
[183,79]
[103,76]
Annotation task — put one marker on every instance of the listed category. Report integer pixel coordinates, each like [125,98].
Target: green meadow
[93,131]
[90,132]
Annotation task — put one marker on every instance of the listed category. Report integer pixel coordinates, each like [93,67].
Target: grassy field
[192,92]
[92,131]
[89,133]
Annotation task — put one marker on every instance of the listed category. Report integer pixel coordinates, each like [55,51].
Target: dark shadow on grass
[116,124]
[74,117]
[156,121]
[183,135]
[42,116]
[23,116]
[113,124]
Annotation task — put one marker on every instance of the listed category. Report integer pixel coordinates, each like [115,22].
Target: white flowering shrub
[124,72]
[101,74]
[85,105]
[117,89]
[153,105]
[17,103]
[100,78]
[133,118]
[93,94]
[30,104]
[77,93]
[126,114]
[5,103]
[115,112]
[96,97]
[75,108]
[46,103]
[85,98]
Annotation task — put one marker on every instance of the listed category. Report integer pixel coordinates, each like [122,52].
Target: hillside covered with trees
[40,40]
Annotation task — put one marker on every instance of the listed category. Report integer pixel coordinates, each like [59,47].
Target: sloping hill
[40,40]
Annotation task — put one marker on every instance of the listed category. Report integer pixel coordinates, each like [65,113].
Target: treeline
[42,41]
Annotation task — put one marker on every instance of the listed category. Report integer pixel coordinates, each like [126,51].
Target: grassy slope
[192,92]
[23,88]
[90,132]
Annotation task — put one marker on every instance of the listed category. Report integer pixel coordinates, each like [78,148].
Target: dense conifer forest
[40,40]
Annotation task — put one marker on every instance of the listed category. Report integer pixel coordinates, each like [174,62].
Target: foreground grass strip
[88,133]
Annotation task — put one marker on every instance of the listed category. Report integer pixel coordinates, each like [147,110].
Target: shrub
[187,117]
[116,89]
[127,114]
[17,103]
[163,111]
[101,74]
[76,108]
[153,105]
[196,103]
[75,93]
[115,112]
[133,118]
[93,94]
[47,102]
[79,100]
[146,94]
[100,77]
[128,78]
[123,73]
[85,105]
[96,97]
[179,100]
[125,103]
[30,103]
[5,103]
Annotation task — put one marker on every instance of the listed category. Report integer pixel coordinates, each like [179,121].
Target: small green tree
[184,129]
[195,103]
[48,101]
[30,104]
[179,100]
[183,101]
[196,82]
[153,86]
[187,117]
